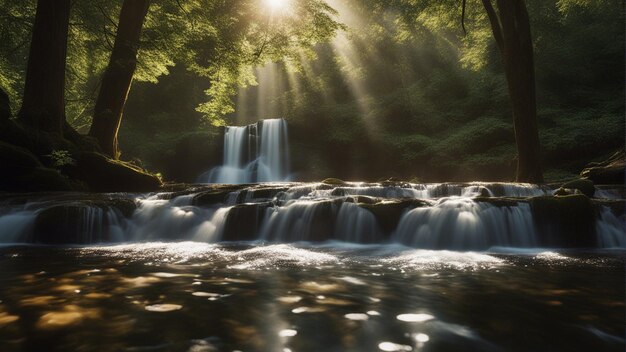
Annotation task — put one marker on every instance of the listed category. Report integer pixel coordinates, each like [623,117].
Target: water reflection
[256,297]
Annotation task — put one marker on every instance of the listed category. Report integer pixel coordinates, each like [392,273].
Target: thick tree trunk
[118,76]
[511,30]
[43,106]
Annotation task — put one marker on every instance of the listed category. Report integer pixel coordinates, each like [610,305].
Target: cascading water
[473,216]
[254,153]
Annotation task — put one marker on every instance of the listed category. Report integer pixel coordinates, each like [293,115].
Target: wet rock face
[463,219]
[583,186]
[243,222]
[567,221]
[610,171]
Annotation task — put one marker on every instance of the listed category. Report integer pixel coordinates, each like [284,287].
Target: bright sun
[276,4]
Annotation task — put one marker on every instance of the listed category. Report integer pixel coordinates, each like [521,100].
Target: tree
[511,30]
[235,35]
[118,77]
[43,105]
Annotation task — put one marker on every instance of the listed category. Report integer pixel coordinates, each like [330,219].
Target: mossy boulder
[15,157]
[584,186]
[567,221]
[388,213]
[102,174]
[22,171]
[610,171]
[334,182]
[45,179]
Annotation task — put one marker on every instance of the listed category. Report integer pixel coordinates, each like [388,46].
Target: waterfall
[471,216]
[254,153]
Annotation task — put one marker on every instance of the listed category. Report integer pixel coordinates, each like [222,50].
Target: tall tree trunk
[43,106]
[511,30]
[118,76]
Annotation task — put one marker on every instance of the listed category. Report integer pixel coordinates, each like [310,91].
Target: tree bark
[43,106]
[511,30]
[118,77]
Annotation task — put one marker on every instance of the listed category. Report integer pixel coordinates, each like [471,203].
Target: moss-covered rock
[15,157]
[388,213]
[22,171]
[584,186]
[567,221]
[45,179]
[610,171]
[102,174]
[216,195]
[334,182]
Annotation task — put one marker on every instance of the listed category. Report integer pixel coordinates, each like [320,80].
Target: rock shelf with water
[465,216]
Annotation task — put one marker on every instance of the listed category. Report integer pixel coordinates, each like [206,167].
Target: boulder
[388,213]
[334,182]
[610,171]
[584,186]
[102,174]
[565,222]
[244,221]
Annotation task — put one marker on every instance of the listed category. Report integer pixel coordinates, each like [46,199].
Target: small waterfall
[432,216]
[253,153]
[461,223]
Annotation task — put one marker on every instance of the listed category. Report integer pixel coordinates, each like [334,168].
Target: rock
[564,222]
[22,172]
[216,195]
[563,192]
[499,201]
[45,179]
[610,171]
[15,157]
[66,224]
[266,192]
[244,221]
[388,213]
[362,199]
[584,186]
[102,174]
[334,182]
[80,221]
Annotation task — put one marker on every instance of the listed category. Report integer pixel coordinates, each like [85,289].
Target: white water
[434,216]
[250,157]
[461,223]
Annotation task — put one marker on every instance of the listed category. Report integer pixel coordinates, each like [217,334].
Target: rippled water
[331,297]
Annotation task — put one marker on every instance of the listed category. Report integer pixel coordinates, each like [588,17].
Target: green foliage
[384,85]
[61,158]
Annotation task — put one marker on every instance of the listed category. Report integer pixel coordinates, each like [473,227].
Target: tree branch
[495,24]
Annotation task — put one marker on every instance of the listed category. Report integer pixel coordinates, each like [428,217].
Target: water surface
[191,296]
